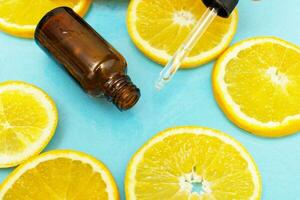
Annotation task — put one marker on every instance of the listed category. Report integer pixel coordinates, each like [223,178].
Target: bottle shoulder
[110,66]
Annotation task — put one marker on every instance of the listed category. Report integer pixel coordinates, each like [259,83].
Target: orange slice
[28,120]
[20,17]
[256,83]
[60,174]
[192,163]
[159,27]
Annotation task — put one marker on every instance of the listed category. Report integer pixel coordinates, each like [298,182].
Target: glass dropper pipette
[222,8]
[185,49]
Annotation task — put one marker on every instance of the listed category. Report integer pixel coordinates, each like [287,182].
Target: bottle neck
[120,90]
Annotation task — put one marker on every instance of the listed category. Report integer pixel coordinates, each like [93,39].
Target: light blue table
[96,127]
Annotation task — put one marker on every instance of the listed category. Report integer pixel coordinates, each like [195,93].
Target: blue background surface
[98,128]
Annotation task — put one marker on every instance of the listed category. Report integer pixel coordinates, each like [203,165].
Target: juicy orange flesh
[221,165]
[264,81]
[29,12]
[22,119]
[61,178]
[162,32]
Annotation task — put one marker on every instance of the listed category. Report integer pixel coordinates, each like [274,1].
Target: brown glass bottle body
[92,61]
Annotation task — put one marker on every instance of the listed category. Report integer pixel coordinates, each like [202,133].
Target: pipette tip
[160,84]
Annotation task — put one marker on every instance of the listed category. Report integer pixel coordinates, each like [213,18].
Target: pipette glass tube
[185,49]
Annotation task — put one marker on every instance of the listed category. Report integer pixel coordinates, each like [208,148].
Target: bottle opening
[122,92]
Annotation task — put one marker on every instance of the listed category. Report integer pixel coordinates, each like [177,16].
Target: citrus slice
[28,119]
[20,17]
[159,27]
[60,174]
[189,163]
[256,83]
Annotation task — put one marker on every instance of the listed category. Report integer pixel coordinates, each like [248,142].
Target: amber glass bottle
[91,60]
